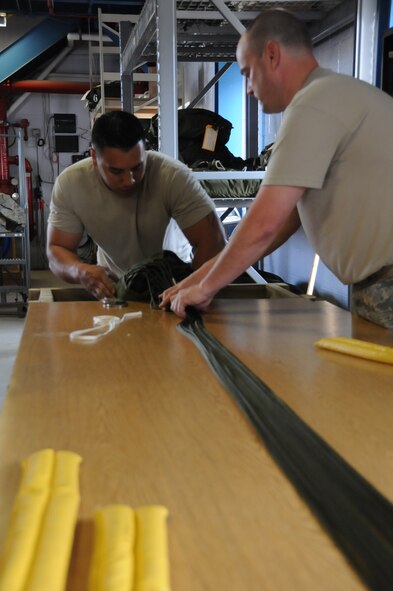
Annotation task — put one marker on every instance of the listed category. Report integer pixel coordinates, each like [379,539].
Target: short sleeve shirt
[336,141]
[128,229]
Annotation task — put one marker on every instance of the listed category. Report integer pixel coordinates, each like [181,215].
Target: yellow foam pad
[50,566]
[151,549]
[39,539]
[358,348]
[25,523]
[112,566]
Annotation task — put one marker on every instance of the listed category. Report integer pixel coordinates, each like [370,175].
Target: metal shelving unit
[165,33]
[169,31]
[15,274]
[113,29]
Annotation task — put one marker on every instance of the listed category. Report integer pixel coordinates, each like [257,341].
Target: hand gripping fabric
[355,514]
[146,280]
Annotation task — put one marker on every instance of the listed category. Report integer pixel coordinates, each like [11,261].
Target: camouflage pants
[372,298]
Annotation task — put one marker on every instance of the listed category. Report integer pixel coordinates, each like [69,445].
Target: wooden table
[153,425]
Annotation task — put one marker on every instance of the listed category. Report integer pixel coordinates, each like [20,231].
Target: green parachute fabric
[146,280]
[354,513]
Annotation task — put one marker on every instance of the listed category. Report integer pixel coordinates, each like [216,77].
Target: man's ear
[93,155]
[272,53]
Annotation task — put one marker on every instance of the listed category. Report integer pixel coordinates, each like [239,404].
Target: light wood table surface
[153,425]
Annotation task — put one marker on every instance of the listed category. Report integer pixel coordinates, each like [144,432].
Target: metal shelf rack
[169,31]
[15,272]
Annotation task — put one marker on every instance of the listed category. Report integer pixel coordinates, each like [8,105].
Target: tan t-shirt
[127,229]
[336,140]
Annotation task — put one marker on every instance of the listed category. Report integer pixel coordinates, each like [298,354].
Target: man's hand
[64,262]
[97,280]
[192,296]
[194,279]
[168,295]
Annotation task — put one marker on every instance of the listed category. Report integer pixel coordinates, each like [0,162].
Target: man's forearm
[96,279]
[231,263]
[268,224]
[292,224]
[64,264]
[200,273]
[256,233]
[207,238]
[206,251]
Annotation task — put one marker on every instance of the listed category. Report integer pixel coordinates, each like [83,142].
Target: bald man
[331,170]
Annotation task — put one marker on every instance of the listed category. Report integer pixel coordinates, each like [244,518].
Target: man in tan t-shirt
[331,169]
[124,197]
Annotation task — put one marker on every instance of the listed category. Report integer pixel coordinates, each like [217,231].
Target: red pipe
[4,168]
[52,86]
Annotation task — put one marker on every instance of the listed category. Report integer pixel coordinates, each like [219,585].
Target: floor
[11,328]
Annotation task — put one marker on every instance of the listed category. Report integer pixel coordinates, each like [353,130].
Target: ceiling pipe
[56,62]
[48,86]
[87,37]
[68,15]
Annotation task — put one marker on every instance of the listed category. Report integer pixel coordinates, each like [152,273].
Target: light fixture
[3,19]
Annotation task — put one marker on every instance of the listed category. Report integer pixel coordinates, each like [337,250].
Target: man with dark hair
[117,129]
[123,197]
[331,169]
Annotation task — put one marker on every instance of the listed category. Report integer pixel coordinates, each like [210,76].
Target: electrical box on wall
[64,123]
[66,143]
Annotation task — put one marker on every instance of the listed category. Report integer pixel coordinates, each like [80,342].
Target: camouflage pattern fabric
[372,298]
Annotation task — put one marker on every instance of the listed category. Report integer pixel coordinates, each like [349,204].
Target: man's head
[118,151]
[275,54]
